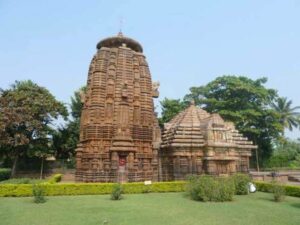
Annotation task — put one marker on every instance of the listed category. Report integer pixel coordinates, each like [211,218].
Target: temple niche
[196,142]
[119,133]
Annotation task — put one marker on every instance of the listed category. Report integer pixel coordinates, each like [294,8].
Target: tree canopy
[27,112]
[170,108]
[245,102]
[289,116]
[65,139]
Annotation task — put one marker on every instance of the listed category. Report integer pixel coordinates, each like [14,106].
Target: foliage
[52,180]
[55,178]
[286,154]
[241,182]
[278,191]
[22,190]
[245,102]
[289,117]
[268,187]
[117,192]
[170,108]
[38,193]
[4,173]
[65,139]
[208,188]
[22,181]
[26,115]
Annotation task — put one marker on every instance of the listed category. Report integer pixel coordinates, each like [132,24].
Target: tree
[170,108]
[286,154]
[65,139]
[289,117]
[27,112]
[245,102]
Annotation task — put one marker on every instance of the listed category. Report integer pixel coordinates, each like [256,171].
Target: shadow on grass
[270,199]
[297,205]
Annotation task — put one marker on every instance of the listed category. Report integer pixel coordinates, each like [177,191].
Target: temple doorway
[222,167]
[122,173]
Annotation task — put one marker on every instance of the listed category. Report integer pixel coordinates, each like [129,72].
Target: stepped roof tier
[194,127]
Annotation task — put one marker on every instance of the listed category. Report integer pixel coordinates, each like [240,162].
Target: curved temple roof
[120,40]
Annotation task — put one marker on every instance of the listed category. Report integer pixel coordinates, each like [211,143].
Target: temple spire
[120,34]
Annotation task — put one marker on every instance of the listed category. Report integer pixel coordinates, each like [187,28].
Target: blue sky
[187,43]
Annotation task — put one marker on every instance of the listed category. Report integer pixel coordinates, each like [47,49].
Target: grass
[150,209]
[22,181]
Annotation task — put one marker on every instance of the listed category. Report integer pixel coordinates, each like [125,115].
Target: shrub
[278,191]
[208,188]
[117,191]
[241,182]
[194,187]
[38,193]
[55,178]
[267,187]
[4,173]
[22,190]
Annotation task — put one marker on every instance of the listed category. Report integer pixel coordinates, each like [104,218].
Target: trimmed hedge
[268,187]
[22,190]
[4,173]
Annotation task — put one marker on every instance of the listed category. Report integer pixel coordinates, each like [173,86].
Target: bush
[194,187]
[208,188]
[278,191]
[38,193]
[55,178]
[117,192]
[22,190]
[241,182]
[4,173]
[267,187]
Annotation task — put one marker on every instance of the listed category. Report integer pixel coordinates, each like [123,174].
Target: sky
[187,43]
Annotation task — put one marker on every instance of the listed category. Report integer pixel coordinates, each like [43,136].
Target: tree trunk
[257,163]
[42,169]
[14,167]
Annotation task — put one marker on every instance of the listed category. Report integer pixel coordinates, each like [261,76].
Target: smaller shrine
[197,142]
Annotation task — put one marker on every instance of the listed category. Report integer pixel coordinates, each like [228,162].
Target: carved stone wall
[196,142]
[119,134]
[120,139]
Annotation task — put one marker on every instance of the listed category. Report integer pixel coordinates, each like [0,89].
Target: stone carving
[196,142]
[117,127]
[120,138]
[155,92]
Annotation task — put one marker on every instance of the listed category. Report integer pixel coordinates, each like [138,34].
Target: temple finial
[120,34]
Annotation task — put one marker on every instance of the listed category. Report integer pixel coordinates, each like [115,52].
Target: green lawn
[152,208]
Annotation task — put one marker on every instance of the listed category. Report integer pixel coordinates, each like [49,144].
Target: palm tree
[289,117]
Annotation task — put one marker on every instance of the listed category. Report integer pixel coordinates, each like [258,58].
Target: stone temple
[196,142]
[119,133]
[120,140]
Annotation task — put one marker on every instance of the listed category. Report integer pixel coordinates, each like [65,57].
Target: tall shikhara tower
[119,133]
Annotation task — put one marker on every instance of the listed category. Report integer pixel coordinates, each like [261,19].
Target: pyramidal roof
[194,127]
